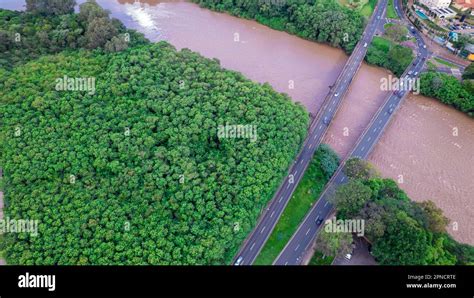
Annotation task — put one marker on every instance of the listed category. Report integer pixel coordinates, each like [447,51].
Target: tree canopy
[322,21]
[136,172]
[448,90]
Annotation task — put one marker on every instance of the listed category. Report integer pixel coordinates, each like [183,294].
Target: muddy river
[427,147]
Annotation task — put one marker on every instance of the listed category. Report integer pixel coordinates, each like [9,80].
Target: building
[433,4]
[443,13]
[469,48]
[463,4]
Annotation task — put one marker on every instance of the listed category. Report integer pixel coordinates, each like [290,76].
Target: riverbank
[418,144]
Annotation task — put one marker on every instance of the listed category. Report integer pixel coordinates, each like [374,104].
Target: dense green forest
[26,36]
[134,172]
[322,21]
[403,232]
[449,90]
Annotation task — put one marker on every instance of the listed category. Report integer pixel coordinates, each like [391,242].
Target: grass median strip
[391,13]
[322,166]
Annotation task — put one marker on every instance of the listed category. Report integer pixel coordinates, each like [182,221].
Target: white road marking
[342,179]
[369,139]
[380,121]
[375,129]
[321,126]
[263,229]
[279,201]
[310,145]
[301,161]
[326,203]
[362,148]
[307,232]
[286,263]
[288,186]
[272,214]
[252,246]
[297,247]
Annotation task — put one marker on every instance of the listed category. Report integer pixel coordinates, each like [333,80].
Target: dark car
[319,221]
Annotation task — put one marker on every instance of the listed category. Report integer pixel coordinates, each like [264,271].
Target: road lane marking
[288,186]
[252,246]
[296,172]
[342,179]
[302,160]
[279,201]
[308,231]
[362,148]
[380,121]
[369,139]
[272,214]
[263,229]
[297,247]
[375,129]
[310,145]
[326,203]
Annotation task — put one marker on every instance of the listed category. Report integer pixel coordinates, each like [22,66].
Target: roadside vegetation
[323,21]
[318,173]
[136,171]
[390,55]
[449,90]
[320,259]
[469,72]
[444,62]
[402,232]
[391,13]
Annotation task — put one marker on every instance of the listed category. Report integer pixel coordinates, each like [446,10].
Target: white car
[348,256]
[365,45]
[239,261]
[424,46]
[336,95]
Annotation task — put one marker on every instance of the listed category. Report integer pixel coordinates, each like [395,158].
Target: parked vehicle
[239,261]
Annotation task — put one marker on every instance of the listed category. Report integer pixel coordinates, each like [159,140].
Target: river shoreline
[418,144]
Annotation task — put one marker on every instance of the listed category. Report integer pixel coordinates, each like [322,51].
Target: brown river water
[428,147]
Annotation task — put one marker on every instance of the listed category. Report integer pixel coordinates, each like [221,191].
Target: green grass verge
[391,13]
[431,66]
[307,192]
[319,259]
[441,61]
[368,8]
[381,43]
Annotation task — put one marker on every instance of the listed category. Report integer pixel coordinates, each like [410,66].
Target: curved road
[306,233]
[318,128]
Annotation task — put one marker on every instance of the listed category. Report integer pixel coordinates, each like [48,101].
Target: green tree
[50,7]
[469,72]
[349,198]
[403,243]
[356,168]
[434,218]
[333,244]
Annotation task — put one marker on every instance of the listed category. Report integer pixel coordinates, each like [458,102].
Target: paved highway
[318,128]
[306,233]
